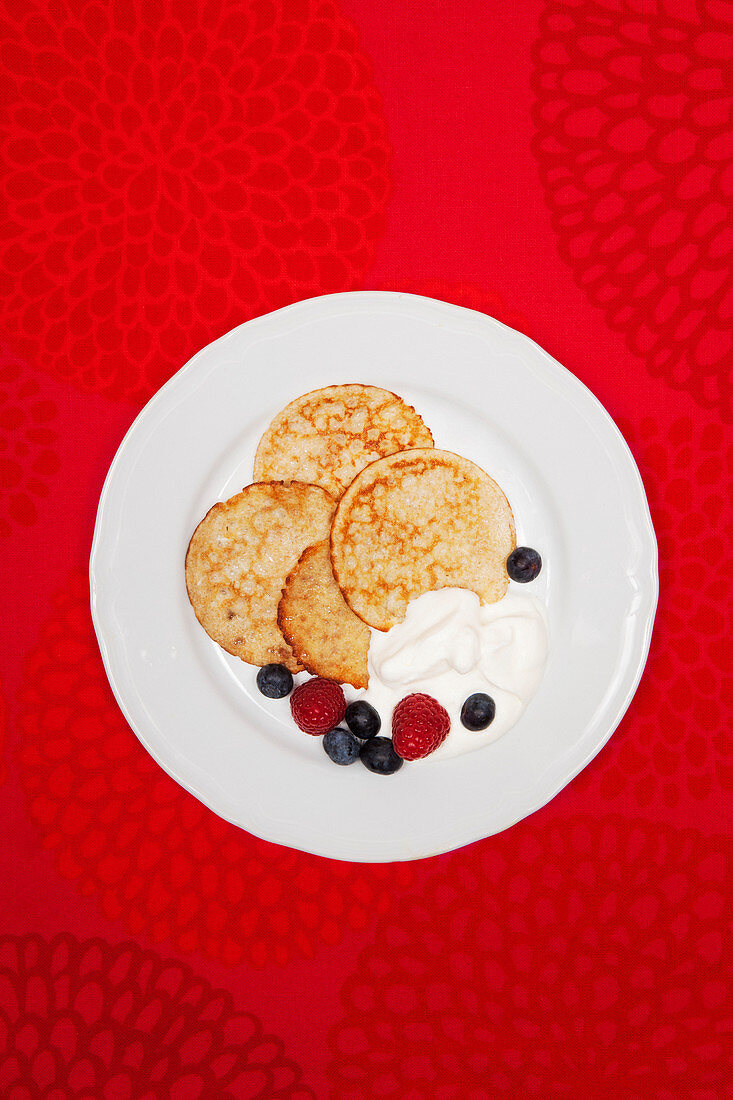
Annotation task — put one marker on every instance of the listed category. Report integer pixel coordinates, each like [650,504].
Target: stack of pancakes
[352,514]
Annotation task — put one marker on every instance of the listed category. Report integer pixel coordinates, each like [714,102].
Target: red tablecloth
[172,170]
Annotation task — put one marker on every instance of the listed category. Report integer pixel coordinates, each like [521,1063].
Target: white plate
[488,393]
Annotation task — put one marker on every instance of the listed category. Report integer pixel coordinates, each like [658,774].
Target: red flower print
[674,745]
[581,959]
[28,445]
[88,1019]
[3,744]
[173,170]
[155,857]
[634,149]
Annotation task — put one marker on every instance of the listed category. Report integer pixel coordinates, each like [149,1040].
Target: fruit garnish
[275,681]
[419,725]
[523,564]
[341,746]
[362,719]
[478,711]
[318,705]
[378,755]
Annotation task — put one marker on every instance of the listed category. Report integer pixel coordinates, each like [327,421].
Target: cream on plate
[450,646]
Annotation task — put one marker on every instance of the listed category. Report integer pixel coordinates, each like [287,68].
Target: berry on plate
[419,725]
[318,705]
[478,711]
[378,755]
[275,681]
[362,719]
[523,564]
[341,746]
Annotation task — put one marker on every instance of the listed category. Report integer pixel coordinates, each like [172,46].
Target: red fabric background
[167,173]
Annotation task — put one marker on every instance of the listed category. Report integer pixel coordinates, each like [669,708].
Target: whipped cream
[450,647]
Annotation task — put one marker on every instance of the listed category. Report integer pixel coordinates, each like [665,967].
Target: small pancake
[327,638]
[327,436]
[239,557]
[415,522]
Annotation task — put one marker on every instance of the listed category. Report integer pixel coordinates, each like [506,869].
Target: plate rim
[643,634]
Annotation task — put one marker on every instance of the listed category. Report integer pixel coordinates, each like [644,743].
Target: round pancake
[320,627]
[415,522]
[327,436]
[239,557]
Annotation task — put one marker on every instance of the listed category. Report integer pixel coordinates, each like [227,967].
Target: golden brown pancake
[327,436]
[239,558]
[415,522]
[327,638]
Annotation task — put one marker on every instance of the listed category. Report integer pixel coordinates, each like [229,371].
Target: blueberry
[341,746]
[379,756]
[478,711]
[523,564]
[275,681]
[362,719]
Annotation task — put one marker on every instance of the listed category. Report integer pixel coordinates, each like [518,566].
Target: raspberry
[318,705]
[419,726]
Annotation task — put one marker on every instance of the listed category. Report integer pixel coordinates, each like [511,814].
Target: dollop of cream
[450,647]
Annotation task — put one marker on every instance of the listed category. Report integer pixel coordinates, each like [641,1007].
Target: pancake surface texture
[415,522]
[327,638]
[239,558]
[327,436]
